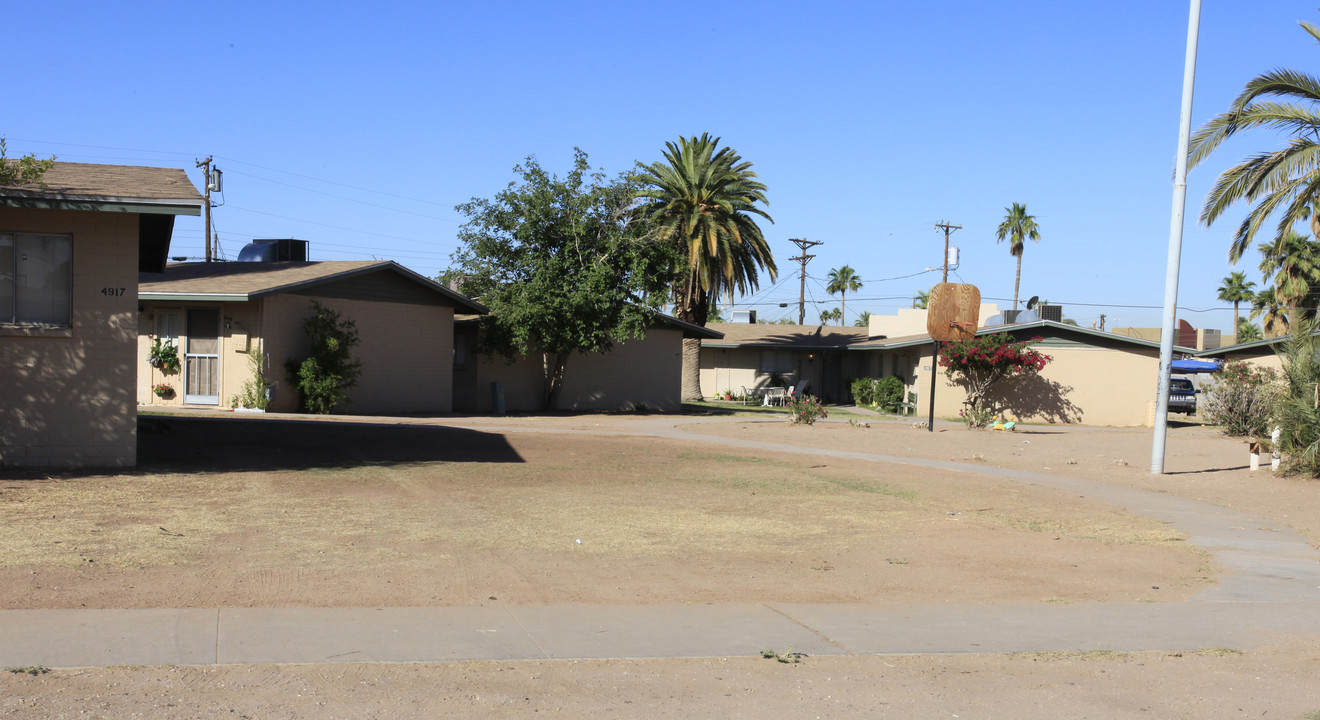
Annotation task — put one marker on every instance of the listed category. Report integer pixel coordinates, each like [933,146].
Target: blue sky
[359,127]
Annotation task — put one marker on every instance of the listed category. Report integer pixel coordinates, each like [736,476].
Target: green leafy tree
[922,300]
[562,266]
[831,314]
[864,319]
[704,200]
[1237,289]
[842,281]
[27,169]
[984,361]
[1291,265]
[1017,228]
[1286,181]
[325,376]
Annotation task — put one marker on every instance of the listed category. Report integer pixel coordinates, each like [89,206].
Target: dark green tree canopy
[562,264]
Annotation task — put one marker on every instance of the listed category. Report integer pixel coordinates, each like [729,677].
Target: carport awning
[1189,367]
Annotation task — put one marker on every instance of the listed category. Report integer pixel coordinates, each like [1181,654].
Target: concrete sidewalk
[93,638]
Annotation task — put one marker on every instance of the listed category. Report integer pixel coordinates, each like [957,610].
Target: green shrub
[1298,411]
[325,375]
[883,394]
[889,393]
[863,391]
[1242,399]
[254,393]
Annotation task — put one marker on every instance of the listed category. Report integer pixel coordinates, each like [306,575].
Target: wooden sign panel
[953,311]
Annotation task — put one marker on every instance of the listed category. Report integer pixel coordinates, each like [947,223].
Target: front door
[201,359]
[831,378]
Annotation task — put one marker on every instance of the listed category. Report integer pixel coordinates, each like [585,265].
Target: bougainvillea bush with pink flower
[1242,399]
[981,363]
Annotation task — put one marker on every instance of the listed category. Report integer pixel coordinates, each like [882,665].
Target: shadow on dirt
[195,444]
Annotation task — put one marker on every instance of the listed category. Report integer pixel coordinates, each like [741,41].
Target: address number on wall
[112,291]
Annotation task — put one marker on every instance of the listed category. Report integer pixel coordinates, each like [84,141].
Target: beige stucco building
[70,253]
[1094,378]
[642,374]
[1261,353]
[219,315]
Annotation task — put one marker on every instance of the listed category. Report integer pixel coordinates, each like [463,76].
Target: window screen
[36,279]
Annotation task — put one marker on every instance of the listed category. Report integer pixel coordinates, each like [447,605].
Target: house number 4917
[112,291]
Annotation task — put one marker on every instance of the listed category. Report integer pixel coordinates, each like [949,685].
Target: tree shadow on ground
[197,444]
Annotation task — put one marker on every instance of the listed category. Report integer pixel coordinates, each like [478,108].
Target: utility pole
[206,181]
[1175,243]
[803,244]
[947,229]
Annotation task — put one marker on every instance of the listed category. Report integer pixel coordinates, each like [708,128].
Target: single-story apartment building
[756,356]
[641,374]
[71,249]
[1261,353]
[218,314]
[1093,378]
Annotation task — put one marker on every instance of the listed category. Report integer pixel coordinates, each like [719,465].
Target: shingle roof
[250,280]
[1049,325]
[68,183]
[784,336]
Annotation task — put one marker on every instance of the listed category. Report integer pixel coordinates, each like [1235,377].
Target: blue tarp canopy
[1188,367]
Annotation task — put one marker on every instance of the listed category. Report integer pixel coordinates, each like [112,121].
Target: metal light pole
[1175,243]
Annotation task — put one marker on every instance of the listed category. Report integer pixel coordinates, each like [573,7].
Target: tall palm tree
[1017,227]
[704,199]
[830,314]
[863,319]
[1272,313]
[1287,180]
[843,281]
[922,300]
[1236,289]
[1291,264]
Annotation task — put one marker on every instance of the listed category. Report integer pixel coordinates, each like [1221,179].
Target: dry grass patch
[657,521]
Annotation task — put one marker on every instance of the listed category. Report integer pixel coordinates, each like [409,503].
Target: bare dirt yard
[236,512]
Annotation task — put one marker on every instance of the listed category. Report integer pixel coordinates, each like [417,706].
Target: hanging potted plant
[163,391]
[164,356]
